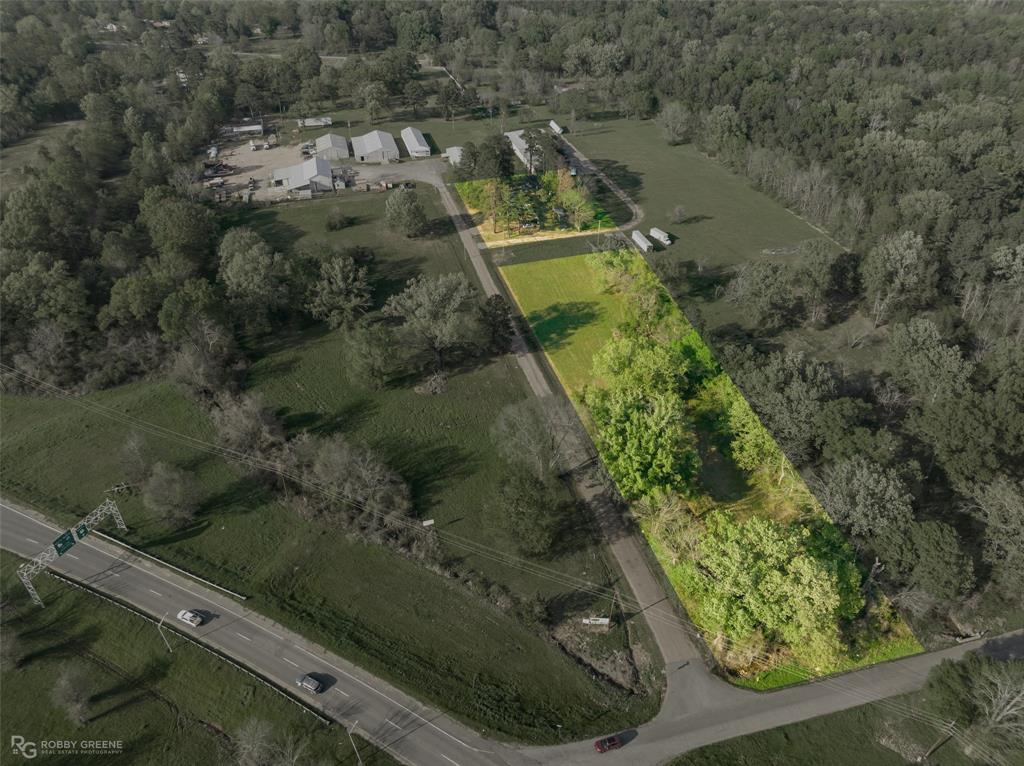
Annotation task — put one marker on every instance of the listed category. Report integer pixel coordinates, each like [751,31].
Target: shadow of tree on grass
[555,324]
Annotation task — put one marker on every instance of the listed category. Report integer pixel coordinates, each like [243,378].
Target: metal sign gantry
[64,542]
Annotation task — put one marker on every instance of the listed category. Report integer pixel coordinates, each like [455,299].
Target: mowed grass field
[169,709]
[573,317]
[729,223]
[450,643]
[570,313]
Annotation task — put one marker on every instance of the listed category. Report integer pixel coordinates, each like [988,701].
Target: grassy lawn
[569,312]
[458,645]
[169,709]
[16,157]
[851,737]
[572,318]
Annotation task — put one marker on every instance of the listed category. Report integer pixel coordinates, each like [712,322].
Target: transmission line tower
[64,542]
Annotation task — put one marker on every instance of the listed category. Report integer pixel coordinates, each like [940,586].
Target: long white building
[375,146]
[415,143]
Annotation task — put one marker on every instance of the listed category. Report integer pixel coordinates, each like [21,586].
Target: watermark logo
[30,749]
[21,746]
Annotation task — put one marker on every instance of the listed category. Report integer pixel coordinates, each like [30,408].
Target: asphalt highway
[698,709]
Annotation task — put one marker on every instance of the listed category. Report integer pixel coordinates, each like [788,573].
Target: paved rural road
[423,736]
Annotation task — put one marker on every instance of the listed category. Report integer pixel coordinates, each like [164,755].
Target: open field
[569,313]
[573,317]
[729,223]
[16,157]
[169,709]
[849,738]
[460,645]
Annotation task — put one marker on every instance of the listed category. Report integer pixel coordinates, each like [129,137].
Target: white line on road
[340,691]
[34,542]
[447,758]
[241,636]
[290,662]
[72,556]
[156,593]
[114,574]
[393,724]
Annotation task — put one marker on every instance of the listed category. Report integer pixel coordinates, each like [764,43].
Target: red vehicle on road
[608,743]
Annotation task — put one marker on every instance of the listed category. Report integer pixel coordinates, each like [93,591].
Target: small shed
[331,146]
[454,155]
[315,122]
[661,236]
[415,143]
[556,128]
[642,242]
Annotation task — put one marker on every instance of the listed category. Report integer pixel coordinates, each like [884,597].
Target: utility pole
[159,629]
[947,734]
[348,730]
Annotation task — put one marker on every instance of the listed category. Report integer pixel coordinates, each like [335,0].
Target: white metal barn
[315,122]
[375,146]
[515,137]
[642,242]
[556,128]
[661,236]
[313,175]
[331,146]
[415,143]
[454,155]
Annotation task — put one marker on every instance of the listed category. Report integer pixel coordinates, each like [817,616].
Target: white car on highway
[192,618]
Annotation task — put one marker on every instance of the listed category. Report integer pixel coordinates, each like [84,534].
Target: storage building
[415,143]
[515,137]
[315,122]
[331,146]
[313,175]
[375,146]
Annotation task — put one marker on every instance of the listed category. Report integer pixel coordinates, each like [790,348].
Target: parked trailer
[661,236]
[642,242]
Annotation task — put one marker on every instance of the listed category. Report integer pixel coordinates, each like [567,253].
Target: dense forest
[897,128]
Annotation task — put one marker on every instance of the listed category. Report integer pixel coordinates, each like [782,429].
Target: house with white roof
[313,175]
[331,146]
[375,146]
[415,143]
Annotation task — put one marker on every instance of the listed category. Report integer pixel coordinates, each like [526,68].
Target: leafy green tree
[257,280]
[414,96]
[640,363]
[766,291]
[794,583]
[899,274]
[368,353]
[184,311]
[434,312]
[341,293]
[43,290]
[181,231]
[645,440]
[496,317]
[374,97]
[999,504]
[528,508]
[403,212]
[752,446]
[942,568]
[924,365]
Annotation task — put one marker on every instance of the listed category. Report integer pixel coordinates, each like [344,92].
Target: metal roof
[414,140]
[374,141]
[301,174]
[331,141]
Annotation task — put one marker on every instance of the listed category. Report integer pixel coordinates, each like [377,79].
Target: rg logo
[20,746]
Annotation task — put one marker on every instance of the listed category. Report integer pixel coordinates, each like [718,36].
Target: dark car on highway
[608,743]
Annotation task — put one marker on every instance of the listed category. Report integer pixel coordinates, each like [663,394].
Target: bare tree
[291,751]
[999,700]
[538,434]
[172,494]
[246,426]
[71,694]
[134,461]
[252,743]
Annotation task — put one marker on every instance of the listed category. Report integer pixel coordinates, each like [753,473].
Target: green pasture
[459,645]
[169,709]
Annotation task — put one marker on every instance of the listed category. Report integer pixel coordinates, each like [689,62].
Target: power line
[691,629]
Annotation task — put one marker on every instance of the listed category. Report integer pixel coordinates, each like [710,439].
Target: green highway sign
[63,543]
[81,530]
